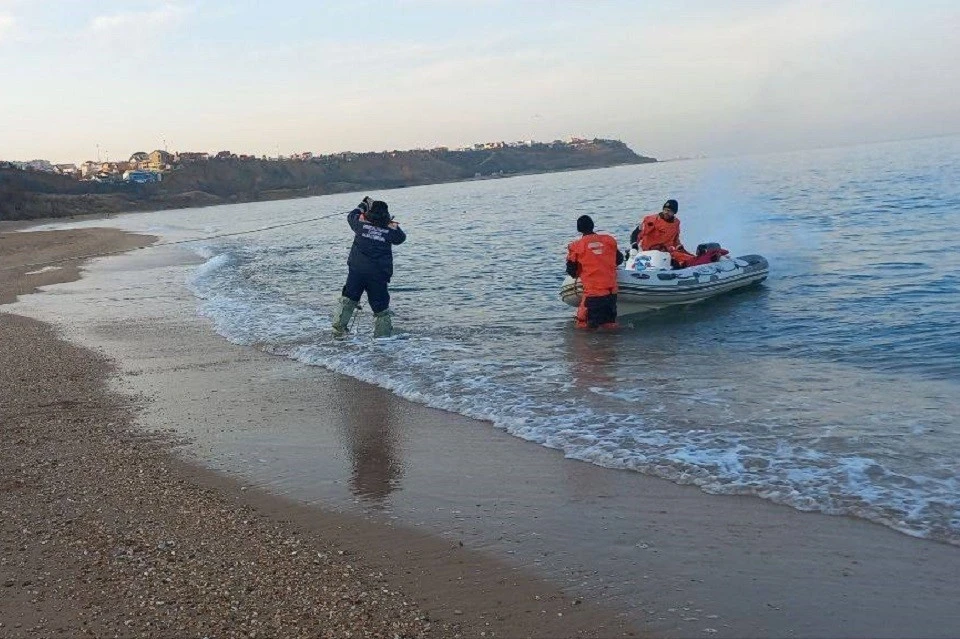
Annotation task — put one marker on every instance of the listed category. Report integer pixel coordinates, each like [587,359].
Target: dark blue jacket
[372,251]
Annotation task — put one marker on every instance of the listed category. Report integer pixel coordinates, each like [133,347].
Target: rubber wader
[382,324]
[341,317]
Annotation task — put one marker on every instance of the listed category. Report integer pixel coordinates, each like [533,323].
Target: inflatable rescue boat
[647,280]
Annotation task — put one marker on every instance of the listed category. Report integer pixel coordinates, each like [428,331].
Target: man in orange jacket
[594,259]
[661,232]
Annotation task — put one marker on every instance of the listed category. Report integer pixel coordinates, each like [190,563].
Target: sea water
[834,386]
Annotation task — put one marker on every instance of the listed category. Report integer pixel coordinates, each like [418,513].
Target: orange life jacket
[596,257]
[657,234]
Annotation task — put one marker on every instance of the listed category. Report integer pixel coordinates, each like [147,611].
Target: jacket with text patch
[372,250]
[594,258]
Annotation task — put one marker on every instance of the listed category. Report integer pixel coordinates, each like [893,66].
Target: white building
[35,165]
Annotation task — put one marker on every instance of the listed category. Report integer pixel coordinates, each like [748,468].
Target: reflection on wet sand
[592,357]
[374,445]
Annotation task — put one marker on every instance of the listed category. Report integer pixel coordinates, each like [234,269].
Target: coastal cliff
[34,195]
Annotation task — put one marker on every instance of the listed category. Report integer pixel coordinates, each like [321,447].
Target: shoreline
[84,556]
[65,248]
[678,561]
[94,205]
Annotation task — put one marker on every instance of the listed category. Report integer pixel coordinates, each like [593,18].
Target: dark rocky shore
[34,195]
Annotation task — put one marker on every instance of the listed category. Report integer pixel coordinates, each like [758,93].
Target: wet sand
[104,532]
[32,260]
[677,562]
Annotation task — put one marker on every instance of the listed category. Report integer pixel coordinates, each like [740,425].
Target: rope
[76,258]
[356,318]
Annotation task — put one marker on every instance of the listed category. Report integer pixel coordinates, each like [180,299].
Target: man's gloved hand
[364,205]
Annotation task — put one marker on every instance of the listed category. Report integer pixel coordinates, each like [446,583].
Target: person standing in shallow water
[594,259]
[370,266]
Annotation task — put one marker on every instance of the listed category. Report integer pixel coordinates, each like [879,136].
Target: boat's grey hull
[644,291]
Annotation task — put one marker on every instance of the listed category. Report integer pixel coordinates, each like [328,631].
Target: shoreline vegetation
[27,195]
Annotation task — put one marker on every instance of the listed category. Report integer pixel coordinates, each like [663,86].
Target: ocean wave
[537,399]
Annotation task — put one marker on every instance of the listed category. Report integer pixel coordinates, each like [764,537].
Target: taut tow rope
[76,258]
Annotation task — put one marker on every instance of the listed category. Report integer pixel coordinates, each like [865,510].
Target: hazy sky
[668,77]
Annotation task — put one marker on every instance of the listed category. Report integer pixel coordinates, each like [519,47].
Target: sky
[669,78]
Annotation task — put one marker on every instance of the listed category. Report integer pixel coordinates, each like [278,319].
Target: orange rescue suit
[596,258]
[657,234]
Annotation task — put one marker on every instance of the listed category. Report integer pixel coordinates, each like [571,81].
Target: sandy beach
[453,524]
[290,302]
[104,532]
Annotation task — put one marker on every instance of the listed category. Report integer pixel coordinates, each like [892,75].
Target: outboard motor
[706,246]
[707,253]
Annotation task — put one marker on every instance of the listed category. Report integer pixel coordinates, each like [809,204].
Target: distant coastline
[227,178]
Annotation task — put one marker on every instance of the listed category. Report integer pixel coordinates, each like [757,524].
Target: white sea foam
[45,269]
[446,375]
[785,393]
